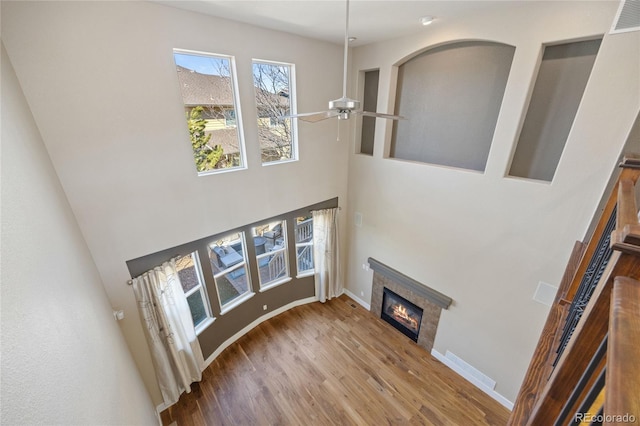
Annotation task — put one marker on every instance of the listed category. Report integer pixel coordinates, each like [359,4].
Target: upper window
[451,95]
[229,264]
[207,83]
[304,245]
[274,99]
[191,279]
[271,253]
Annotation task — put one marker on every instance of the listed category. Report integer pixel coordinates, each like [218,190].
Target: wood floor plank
[331,364]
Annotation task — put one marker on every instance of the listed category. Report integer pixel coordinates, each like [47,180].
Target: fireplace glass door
[401,313]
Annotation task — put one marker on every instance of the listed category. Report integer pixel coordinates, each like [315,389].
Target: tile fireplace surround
[431,301]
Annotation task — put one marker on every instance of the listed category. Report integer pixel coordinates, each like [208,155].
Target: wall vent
[627,18]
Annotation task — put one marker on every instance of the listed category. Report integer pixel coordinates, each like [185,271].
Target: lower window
[229,264]
[271,252]
[191,279]
[304,245]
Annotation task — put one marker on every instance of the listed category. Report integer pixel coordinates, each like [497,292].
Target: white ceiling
[370,20]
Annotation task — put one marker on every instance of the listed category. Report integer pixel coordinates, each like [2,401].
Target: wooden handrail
[622,395]
[626,237]
[545,388]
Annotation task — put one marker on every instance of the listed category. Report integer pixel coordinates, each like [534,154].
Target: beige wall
[64,360]
[102,85]
[100,80]
[482,238]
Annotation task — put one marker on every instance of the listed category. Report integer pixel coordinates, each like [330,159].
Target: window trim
[226,307]
[284,249]
[236,107]
[293,109]
[306,272]
[210,318]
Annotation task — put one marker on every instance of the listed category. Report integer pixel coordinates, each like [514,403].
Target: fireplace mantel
[414,286]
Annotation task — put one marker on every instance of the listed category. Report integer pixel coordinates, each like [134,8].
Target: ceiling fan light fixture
[344,107]
[426,20]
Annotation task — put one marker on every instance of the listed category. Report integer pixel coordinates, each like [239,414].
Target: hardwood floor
[331,364]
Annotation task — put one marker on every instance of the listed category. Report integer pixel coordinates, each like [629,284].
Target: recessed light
[352,39]
[426,20]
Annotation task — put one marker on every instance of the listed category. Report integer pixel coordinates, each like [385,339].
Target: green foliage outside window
[206,156]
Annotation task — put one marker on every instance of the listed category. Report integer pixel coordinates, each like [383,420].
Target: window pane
[232,285]
[304,244]
[191,279]
[198,312]
[226,252]
[207,87]
[187,273]
[270,241]
[272,83]
[228,261]
[304,258]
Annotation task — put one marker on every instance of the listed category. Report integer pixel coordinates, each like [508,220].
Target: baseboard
[357,299]
[477,383]
[253,324]
[159,409]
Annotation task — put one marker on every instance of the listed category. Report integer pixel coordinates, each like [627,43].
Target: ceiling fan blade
[381,115]
[313,117]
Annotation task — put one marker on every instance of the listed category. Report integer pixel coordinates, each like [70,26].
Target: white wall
[64,360]
[102,85]
[481,238]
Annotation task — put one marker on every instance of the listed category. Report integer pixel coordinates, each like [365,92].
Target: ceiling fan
[344,107]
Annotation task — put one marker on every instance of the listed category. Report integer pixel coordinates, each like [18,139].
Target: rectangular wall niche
[560,84]
[430,301]
[369,103]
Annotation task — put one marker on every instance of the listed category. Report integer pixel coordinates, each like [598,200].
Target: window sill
[305,274]
[275,284]
[203,325]
[239,301]
[273,163]
[220,171]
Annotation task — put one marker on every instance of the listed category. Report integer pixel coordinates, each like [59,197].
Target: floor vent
[627,18]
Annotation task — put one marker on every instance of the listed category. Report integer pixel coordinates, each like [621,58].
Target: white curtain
[325,254]
[169,330]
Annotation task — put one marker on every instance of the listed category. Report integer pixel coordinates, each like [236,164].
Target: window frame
[200,327]
[236,107]
[280,251]
[306,272]
[244,263]
[292,110]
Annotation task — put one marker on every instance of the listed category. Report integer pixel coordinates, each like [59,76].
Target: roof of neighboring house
[207,89]
[204,89]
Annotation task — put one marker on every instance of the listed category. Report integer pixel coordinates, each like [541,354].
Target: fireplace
[401,313]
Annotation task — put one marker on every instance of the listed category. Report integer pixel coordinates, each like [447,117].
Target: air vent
[627,18]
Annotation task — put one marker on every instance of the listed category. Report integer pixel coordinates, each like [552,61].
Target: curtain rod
[130,282]
[315,210]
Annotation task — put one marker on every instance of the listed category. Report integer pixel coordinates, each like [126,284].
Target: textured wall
[64,360]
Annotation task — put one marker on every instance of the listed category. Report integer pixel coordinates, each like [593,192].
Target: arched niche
[451,96]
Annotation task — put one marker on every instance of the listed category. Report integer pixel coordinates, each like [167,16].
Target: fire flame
[401,312]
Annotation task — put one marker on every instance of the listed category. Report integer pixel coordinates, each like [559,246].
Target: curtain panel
[325,254]
[169,330]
